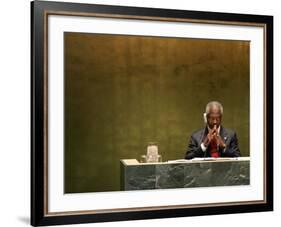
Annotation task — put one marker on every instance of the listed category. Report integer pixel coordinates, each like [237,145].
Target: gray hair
[215,104]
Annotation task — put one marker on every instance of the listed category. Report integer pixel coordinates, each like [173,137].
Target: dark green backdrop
[122,92]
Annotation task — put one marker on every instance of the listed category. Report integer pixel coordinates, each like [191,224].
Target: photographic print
[141,113]
[121,92]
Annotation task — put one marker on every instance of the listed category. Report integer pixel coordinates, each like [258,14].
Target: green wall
[122,92]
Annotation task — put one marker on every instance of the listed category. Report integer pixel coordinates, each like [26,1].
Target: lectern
[200,172]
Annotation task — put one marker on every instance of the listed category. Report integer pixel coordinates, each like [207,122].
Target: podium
[197,172]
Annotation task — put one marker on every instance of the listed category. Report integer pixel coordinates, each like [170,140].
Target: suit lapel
[204,132]
[223,134]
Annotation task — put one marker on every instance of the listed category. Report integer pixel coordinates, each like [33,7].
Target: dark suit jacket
[194,147]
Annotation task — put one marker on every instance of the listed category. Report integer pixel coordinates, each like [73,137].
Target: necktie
[214,149]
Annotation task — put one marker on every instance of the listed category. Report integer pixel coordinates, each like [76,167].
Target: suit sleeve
[232,150]
[194,149]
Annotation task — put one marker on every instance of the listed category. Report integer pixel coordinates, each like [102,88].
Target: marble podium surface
[200,172]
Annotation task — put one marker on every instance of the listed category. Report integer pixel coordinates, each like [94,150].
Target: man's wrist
[223,147]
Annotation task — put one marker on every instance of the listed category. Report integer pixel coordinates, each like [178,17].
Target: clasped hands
[214,135]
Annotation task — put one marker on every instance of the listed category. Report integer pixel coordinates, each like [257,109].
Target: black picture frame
[39,122]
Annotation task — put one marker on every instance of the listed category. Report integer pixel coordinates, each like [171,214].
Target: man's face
[214,118]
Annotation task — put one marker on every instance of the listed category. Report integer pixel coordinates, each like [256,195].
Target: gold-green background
[122,92]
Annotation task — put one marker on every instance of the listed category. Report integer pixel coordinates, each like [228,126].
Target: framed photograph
[140,113]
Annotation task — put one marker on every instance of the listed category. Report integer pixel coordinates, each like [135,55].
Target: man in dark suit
[213,140]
